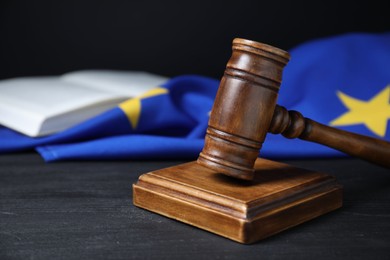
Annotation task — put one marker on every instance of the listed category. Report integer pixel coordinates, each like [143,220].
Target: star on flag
[374,113]
[132,107]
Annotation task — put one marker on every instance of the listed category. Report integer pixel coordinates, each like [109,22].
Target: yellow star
[373,113]
[132,107]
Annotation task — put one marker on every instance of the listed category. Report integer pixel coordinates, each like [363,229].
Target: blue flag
[343,81]
[166,122]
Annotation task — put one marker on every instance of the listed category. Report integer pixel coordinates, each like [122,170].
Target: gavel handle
[292,124]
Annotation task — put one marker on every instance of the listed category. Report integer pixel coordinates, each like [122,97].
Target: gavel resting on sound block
[245,110]
[264,197]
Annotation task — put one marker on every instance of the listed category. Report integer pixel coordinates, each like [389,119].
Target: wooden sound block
[281,196]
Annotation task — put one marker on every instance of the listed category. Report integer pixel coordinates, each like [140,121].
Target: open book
[43,105]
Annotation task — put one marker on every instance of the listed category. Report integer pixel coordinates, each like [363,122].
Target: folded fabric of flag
[341,81]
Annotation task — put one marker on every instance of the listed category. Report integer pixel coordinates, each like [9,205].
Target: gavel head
[243,108]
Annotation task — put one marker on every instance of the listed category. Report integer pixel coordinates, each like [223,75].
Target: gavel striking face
[245,110]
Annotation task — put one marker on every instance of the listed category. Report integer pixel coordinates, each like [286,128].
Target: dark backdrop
[165,37]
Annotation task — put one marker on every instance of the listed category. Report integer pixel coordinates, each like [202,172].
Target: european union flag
[342,81]
[166,122]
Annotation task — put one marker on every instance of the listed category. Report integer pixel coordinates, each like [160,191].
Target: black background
[164,37]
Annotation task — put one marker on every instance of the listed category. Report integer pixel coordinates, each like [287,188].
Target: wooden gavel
[245,110]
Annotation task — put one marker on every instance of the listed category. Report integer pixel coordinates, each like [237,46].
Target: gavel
[245,110]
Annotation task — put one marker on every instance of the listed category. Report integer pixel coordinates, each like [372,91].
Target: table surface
[84,210]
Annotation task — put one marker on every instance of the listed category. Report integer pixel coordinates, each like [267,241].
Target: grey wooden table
[84,210]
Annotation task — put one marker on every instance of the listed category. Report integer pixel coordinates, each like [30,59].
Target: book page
[38,106]
[49,96]
[128,83]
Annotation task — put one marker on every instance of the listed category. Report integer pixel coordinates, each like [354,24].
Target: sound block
[281,196]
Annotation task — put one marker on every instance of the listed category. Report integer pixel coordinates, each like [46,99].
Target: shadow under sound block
[280,196]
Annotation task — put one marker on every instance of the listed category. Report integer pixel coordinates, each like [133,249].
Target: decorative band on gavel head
[243,108]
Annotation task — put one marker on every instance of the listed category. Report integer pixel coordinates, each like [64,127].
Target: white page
[38,106]
[49,96]
[128,83]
